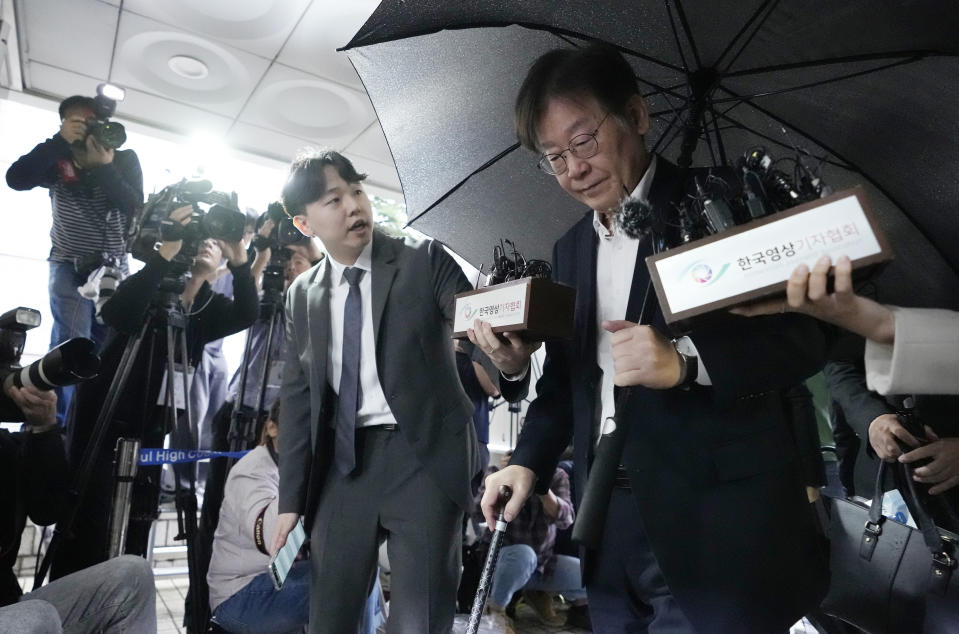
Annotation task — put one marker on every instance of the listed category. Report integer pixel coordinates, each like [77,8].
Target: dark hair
[307,182]
[598,71]
[274,416]
[76,101]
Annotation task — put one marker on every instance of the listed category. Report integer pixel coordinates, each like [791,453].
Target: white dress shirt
[374,410]
[615,261]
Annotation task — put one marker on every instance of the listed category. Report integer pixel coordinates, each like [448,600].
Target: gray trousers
[112,597]
[388,496]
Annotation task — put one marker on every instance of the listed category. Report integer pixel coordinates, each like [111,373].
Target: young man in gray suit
[378,440]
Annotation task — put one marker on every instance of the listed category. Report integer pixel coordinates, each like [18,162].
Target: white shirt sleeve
[924,358]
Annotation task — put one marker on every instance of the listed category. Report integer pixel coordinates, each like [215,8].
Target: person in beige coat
[908,350]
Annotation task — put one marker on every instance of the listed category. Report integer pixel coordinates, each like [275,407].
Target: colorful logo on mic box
[703,274]
[467,311]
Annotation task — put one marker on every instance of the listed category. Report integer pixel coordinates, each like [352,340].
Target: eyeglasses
[581,146]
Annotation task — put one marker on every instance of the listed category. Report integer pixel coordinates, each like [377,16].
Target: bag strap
[873,527]
[943,557]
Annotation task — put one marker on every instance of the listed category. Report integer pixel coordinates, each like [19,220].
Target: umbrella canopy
[871,86]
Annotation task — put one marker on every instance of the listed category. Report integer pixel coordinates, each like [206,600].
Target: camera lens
[72,361]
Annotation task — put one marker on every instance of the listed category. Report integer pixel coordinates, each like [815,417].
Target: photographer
[94,190]
[140,413]
[116,596]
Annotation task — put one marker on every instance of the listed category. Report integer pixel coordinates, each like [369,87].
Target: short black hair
[597,70]
[76,101]
[307,182]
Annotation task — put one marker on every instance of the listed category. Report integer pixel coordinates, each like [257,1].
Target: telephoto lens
[108,284]
[71,362]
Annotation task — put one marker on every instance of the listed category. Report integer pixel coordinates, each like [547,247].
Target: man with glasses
[708,528]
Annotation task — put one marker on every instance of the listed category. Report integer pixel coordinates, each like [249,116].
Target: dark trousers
[388,496]
[626,589]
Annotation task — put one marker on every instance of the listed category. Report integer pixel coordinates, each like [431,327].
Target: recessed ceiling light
[188,67]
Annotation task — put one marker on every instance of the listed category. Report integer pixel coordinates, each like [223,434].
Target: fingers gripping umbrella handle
[486,578]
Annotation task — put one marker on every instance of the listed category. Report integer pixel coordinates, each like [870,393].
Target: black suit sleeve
[752,355]
[860,406]
[548,428]
[38,167]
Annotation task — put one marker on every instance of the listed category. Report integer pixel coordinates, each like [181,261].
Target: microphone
[634,216]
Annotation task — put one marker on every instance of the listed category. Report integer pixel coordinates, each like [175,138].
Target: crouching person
[242,596]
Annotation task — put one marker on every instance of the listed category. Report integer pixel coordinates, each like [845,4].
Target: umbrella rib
[688,32]
[823,82]
[856,168]
[742,126]
[918,54]
[661,90]
[679,45]
[751,37]
[676,116]
[453,189]
[745,27]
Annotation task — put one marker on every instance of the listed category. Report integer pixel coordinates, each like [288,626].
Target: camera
[284,234]
[70,362]
[222,220]
[109,134]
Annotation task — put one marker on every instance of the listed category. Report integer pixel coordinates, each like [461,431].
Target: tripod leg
[81,477]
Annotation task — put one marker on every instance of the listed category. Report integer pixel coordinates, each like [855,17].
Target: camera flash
[111,91]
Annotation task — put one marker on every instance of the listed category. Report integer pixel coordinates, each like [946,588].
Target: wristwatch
[688,360]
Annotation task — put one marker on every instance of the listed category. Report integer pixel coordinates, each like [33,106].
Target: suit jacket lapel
[384,271]
[318,322]
[662,194]
[585,314]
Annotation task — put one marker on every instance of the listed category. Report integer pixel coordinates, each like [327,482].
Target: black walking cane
[486,579]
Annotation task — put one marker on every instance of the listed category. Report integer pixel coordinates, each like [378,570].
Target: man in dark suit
[378,439]
[709,528]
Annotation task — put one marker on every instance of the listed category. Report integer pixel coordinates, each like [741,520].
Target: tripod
[245,422]
[243,429]
[165,309]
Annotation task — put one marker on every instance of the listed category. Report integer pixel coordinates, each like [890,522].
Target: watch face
[685,346]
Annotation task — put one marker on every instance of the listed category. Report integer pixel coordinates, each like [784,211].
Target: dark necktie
[350,394]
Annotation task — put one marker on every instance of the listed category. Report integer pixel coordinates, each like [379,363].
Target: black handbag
[887,577]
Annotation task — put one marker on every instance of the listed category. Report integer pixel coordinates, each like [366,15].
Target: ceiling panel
[60,83]
[256,27]
[325,26]
[262,74]
[301,105]
[377,173]
[264,142]
[172,115]
[53,36]
[222,78]
[371,144]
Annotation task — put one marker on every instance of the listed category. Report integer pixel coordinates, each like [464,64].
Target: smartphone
[282,561]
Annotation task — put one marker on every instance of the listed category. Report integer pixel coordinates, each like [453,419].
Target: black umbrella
[870,85]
